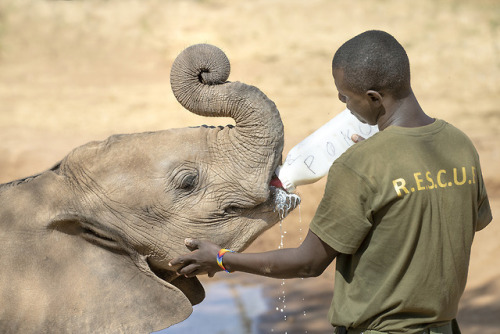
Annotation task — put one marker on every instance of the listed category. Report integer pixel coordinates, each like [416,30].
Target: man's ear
[374,97]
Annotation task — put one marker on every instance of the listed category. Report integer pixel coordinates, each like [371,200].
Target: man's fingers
[181,260]
[191,243]
[357,138]
[175,262]
[190,270]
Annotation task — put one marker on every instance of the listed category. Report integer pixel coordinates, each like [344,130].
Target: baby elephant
[85,246]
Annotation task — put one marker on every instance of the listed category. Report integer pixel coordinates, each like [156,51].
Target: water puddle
[227,309]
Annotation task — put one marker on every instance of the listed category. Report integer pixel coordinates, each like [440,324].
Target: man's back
[402,207]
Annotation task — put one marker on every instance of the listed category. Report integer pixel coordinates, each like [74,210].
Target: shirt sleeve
[484,216]
[343,217]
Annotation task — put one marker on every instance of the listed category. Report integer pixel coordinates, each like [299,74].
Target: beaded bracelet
[220,255]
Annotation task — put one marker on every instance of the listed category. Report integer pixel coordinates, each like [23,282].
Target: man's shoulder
[362,148]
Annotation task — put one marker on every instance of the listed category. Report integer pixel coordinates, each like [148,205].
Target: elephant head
[85,246]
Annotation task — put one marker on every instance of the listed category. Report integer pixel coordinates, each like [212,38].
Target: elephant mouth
[161,273]
[190,287]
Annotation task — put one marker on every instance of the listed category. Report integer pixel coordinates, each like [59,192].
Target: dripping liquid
[285,203]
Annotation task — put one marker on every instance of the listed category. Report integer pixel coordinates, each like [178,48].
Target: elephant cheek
[244,231]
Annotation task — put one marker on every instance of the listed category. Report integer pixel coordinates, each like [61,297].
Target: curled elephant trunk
[199,82]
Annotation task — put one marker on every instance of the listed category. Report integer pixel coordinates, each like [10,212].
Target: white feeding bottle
[310,160]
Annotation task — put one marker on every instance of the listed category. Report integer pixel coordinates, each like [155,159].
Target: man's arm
[308,260]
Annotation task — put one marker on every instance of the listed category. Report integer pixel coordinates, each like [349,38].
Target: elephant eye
[188,181]
[233,210]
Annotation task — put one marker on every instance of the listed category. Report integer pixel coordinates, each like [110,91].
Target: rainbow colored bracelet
[220,255]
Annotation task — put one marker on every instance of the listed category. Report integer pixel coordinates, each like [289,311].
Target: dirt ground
[75,71]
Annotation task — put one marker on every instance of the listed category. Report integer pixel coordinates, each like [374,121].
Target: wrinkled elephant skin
[85,245]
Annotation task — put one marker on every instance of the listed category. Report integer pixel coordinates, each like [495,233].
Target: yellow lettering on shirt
[441,179]
[428,177]
[398,185]
[418,181]
[455,177]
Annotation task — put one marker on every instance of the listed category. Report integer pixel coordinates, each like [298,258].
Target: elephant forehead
[143,150]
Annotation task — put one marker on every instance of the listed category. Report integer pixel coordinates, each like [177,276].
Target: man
[399,210]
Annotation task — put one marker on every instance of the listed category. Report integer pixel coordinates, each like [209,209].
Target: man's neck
[404,112]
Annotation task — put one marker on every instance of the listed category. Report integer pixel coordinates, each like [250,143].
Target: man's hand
[202,259]
[357,138]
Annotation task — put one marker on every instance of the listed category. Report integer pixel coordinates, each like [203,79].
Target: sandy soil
[75,71]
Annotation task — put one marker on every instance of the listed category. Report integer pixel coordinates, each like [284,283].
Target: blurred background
[75,71]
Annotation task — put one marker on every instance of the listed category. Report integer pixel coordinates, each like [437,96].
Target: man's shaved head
[374,60]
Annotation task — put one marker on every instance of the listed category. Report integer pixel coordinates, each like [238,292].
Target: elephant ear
[97,290]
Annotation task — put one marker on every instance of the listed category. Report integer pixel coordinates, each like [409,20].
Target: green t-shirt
[402,208]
